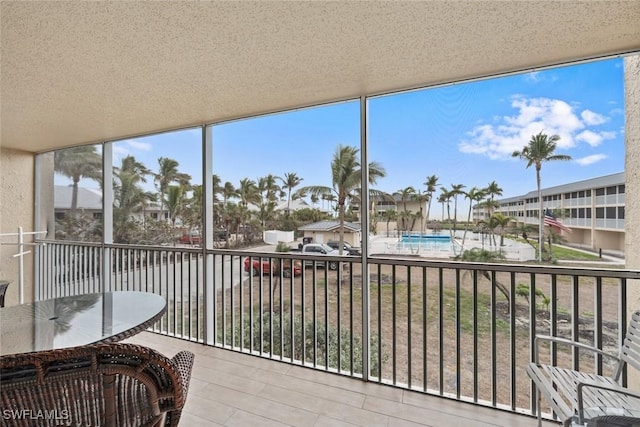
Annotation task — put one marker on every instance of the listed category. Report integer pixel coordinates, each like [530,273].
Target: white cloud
[122,149]
[537,77]
[594,138]
[592,119]
[137,145]
[532,77]
[534,115]
[589,160]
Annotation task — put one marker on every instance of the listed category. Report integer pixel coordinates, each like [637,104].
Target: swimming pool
[433,242]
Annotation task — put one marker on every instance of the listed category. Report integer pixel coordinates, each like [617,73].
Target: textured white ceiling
[77,72]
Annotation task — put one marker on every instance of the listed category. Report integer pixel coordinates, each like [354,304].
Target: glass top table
[77,320]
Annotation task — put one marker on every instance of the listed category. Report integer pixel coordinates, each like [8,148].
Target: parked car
[190,239]
[318,249]
[346,249]
[259,266]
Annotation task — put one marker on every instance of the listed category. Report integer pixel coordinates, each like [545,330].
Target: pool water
[440,242]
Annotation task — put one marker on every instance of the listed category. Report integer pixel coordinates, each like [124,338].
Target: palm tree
[492,190]
[129,198]
[474,195]
[269,186]
[242,217]
[389,215]
[456,190]
[168,174]
[132,166]
[192,211]
[540,149]
[430,183]
[267,189]
[421,198]
[289,182]
[248,192]
[500,220]
[229,214]
[405,195]
[346,179]
[215,186]
[77,163]
[445,197]
[331,200]
[174,201]
[228,192]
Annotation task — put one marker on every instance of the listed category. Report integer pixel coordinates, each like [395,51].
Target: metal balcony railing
[458,330]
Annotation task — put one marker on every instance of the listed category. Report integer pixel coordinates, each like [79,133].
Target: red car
[264,266]
[190,239]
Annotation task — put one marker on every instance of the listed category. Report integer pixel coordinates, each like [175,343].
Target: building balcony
[234,389]
[443,340]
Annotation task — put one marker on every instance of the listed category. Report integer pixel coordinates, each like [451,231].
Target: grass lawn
[563,253]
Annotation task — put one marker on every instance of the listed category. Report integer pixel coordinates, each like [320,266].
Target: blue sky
[463,133]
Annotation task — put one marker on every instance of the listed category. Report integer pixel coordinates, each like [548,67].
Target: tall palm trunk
[426,221]
[466,227]
[74,197]
[540,215]
[341,202]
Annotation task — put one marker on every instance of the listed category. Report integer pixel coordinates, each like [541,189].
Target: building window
[611,190]
[599,191]
[581,194]
[581,213]
[588,212]
[588,193]
[620,212]
[621,189]
[611,212]
[600,213]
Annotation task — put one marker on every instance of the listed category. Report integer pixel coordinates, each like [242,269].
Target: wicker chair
[4,284]
[94,385]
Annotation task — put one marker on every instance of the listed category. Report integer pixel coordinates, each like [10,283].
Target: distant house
[323,231]
[416,212]
[90,203]
[295,205]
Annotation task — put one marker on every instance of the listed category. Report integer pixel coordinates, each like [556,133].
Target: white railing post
[20,255]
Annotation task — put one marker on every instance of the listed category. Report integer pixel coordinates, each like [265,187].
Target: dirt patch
[434,326]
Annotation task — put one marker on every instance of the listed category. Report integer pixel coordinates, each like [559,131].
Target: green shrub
[282,247]
[321,347]
[522,290]
[481,255]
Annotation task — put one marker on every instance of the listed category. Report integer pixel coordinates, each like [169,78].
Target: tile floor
[232,389]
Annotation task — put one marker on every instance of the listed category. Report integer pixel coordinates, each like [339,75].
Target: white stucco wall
[632,174]
[16,210]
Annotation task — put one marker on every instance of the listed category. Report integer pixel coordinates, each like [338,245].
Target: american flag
[552,222]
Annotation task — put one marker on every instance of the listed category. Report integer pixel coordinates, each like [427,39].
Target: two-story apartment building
[594,209]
